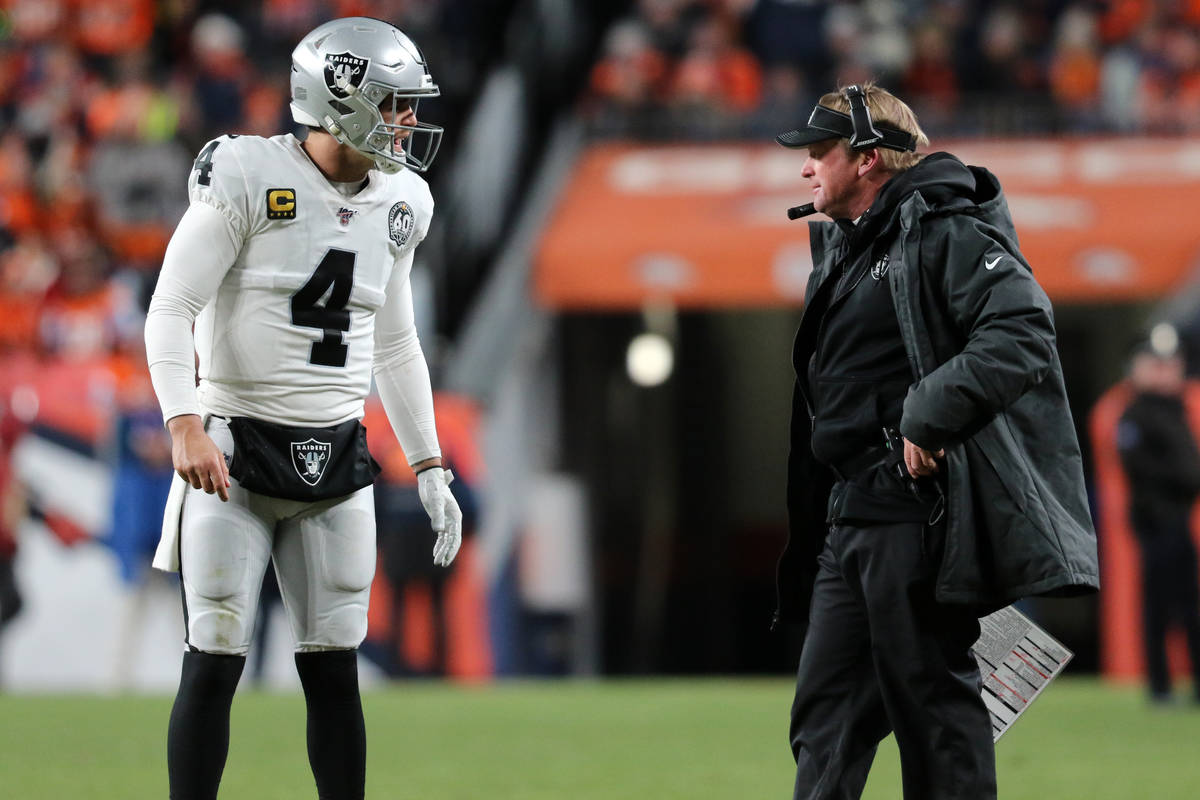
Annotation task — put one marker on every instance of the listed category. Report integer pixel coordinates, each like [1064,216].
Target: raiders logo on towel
[309,458]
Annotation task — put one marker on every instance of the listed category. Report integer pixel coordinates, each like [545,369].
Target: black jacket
[1161,461]
[987,386]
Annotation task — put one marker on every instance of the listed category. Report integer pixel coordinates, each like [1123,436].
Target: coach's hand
[196,456]
[433,485]
[919,461]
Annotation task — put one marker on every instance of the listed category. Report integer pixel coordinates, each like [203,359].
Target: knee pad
[343,628]
[214,556]
[218,631]
[215,574]
[347,553]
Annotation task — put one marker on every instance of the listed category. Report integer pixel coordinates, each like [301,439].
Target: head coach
[934,472]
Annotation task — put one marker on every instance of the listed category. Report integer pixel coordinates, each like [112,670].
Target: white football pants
[324,555]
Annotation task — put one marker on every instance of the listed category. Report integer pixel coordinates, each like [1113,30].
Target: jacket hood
[943,182]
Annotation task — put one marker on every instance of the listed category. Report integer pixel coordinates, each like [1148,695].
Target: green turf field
[636,739]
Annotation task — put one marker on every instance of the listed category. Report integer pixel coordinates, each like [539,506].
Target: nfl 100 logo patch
[309,458]
[401,222]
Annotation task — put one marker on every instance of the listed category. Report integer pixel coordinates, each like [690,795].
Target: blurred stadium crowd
[968,67]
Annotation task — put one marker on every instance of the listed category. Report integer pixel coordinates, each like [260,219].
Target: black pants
[881,654]
[1169,595]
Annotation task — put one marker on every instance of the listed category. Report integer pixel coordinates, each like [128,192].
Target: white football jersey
[289,336]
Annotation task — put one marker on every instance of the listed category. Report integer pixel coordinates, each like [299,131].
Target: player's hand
[196,456]
[444,514]
[919,461]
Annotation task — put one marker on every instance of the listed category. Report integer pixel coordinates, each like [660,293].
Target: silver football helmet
[347,73]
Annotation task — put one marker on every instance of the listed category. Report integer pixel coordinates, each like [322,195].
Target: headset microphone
[797,212]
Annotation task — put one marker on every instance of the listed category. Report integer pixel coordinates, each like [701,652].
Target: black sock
[198,735]
[337,736]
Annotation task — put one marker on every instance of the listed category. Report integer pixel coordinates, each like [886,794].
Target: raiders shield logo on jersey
[401,221]
[344,71]
[309,458]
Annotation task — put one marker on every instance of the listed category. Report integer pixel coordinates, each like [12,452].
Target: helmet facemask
[394,145]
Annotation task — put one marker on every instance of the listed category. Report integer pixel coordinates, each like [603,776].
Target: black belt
[893,456]
[847,469]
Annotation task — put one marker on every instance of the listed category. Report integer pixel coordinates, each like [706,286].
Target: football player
[289,277]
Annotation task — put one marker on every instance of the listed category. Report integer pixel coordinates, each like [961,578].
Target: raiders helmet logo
[401,222]
[344,72]
[309,458]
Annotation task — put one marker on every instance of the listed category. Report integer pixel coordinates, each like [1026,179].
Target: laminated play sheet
[1017,660]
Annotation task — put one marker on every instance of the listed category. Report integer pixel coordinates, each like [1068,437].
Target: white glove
[444,514]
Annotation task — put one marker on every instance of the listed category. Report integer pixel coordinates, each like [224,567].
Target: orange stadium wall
[704,226]
[1120,563]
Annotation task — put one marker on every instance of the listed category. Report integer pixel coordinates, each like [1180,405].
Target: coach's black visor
[825,123]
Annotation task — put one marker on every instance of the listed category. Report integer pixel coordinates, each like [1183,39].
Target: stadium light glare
[1164,339]
[650,359]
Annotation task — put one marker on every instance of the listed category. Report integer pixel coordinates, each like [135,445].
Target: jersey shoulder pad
[220,175]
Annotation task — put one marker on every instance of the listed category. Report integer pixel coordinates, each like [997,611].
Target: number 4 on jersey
[203,163]
[334,277]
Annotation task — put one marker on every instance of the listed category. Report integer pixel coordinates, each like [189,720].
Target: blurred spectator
[866,42]
[631,71]
[1172,82]
[1075,67]
[269,599]
[931,75]
[109,27]
[27,269]
[716,74]
[12,512]
[142,474]
[18,210]
[405,540]
[222,73]
[36,20]
[1007,69]
[786,97]
[1121,87]
[86,316]
[136,166]
[1162,462]
[669,23]
[790,32]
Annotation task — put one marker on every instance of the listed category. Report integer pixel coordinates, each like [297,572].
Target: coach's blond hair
[886,109]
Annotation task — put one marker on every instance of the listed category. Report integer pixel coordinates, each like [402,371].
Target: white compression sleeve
[401,373]
[200,252]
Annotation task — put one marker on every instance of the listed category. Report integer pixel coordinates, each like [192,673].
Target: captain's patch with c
[281,203]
